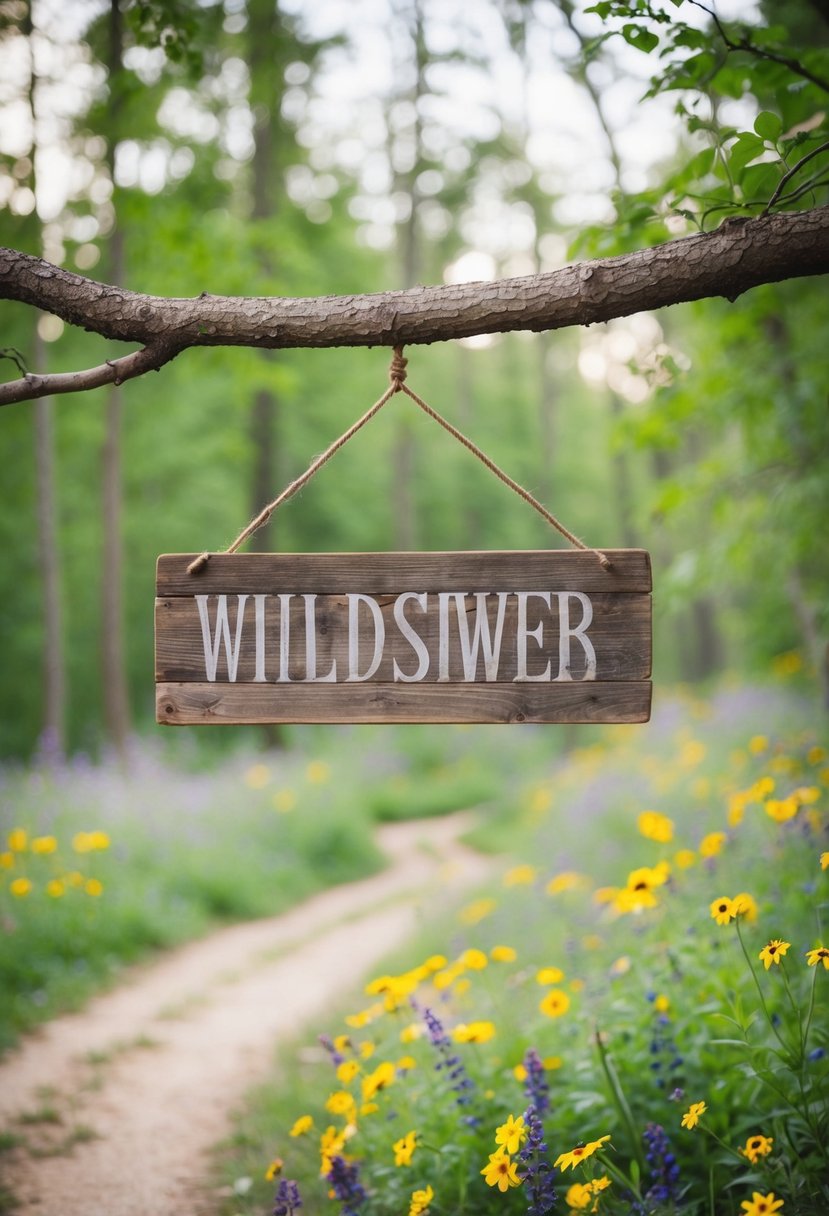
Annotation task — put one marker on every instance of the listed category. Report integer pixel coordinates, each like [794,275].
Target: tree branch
[732,259]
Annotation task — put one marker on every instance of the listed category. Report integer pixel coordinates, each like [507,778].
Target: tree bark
[739,255]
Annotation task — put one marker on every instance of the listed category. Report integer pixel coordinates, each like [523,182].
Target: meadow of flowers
[632,1018]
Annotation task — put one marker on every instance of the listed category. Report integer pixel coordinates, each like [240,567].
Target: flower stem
[765,1007]
[617,1093]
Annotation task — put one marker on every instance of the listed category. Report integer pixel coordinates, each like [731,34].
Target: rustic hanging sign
[536,636]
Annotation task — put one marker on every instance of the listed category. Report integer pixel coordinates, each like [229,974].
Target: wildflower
[274,1169]
[654,826]
[331,1143]
[404,1148]
[503,954]
[366,1049]
[536,1171]
[819,955]
[638,892]
[420,1201]
[473,1032]
[662,1004]
[406,1063]
[317,772]
[555,1003]
[756,1147]
[568,880]
[620,966]
[579,1196]
[782,809]
[44,844]
[257,777]
[500,1171]
[435,961]
[511,1135]
[520,876]
[475,960]
[549,975]
[284,801]
[382,1076]
[475,912]
[535,1083]
[301,1126]
[410,1033]
[347,1071]
[664,1170]
[93,887]
[712,844]
[287,1199]
[579,1154]
[20,887]
[692,1116]
[761,1205]
[55,888]
[7,861]
[17,840]
[684,859]
[824,861]
[459,1081]
[722,910]
[758,744]
[341,1103]
[345,1183]
[773,952]
[745,905]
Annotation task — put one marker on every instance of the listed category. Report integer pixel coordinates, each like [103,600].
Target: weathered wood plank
[620,632]
[390,573]
[201,704]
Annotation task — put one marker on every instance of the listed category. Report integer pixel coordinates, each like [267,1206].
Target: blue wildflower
[344,1178]
[536,1087]
[664,1171]
[460,1082]
[287,1200]
[535,1170]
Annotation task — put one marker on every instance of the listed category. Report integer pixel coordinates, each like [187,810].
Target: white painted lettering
[481,636]
[311,646]
[284,636]
[565,633]
[221,634]
[259,675]
[354,600]
[415,641]
[523,633]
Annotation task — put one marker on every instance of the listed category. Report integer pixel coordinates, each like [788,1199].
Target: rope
[397,384]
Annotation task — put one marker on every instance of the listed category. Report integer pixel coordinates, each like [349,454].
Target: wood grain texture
[391,573]
[206,704]
[620,633]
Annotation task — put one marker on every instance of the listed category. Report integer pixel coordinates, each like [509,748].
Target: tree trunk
[113,657]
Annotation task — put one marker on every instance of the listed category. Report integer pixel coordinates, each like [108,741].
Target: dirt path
[118,1106]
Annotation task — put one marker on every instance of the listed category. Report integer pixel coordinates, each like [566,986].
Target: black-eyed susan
[722,910]
[693,1115]
[511,1135]
[302,1126]
[555,1003]
[503,954]
[655,826]
[761,1205]
[745,906]
[578,1154]
[500,1171]
[474,1032]
[756,1147]
[820,954]
[773,952]
[824,861]
[712,844]
[404,1148]
[274,1169]
[421,1198]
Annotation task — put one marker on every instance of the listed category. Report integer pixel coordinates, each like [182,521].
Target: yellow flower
[7,861]
[342,1043]
[736,809]
[692,753]
[501,1172]
[620,966]
[257,777]
[347,1071]
[555,1003]
[340,1102]
[475,960]
[284,801]
[404,1148]
[20,887]
[17,840]
[503,954]
[579,1196]
[549,975]
[758,744]
[412,1032]
[519,1072]
[662,1004]
[578,1154]
[773,952]
[44,844]
[756,1147]
[654,826]
[551,1063]
[420,1201]
[435,962]
[761,1205]
[406,1064]
[824,861]
[684,859]
[782,809]
[366,1049]
[382,1076]
[302,1126]
[745,905]
[520,876]
[816,755]
[332,1143]
[274,1169]
[317,772]
[93,887]
[474,1032]
[568,880]
[55,888]
[712,844]
[605,895]
[692,1116]
[819,955]
[476,911]
[722,909]
[511,1135]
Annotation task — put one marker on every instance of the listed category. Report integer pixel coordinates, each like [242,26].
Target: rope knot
[397,369]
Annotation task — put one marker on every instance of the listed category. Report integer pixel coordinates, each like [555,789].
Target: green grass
[665,986]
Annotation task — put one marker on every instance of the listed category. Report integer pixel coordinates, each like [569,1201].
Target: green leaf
[768,125]
[744,149]
[640,38]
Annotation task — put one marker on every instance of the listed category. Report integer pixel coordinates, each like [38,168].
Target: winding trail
[118,1106]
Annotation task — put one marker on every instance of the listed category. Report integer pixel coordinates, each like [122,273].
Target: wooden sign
[538,636]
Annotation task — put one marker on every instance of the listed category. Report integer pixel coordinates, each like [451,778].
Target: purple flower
[536,1087]
[535,1170]
[664,1170]
[287,1199]
[345,1183]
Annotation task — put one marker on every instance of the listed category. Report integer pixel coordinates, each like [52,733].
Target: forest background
[255,148]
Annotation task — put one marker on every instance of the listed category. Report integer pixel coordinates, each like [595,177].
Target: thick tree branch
[739,255]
